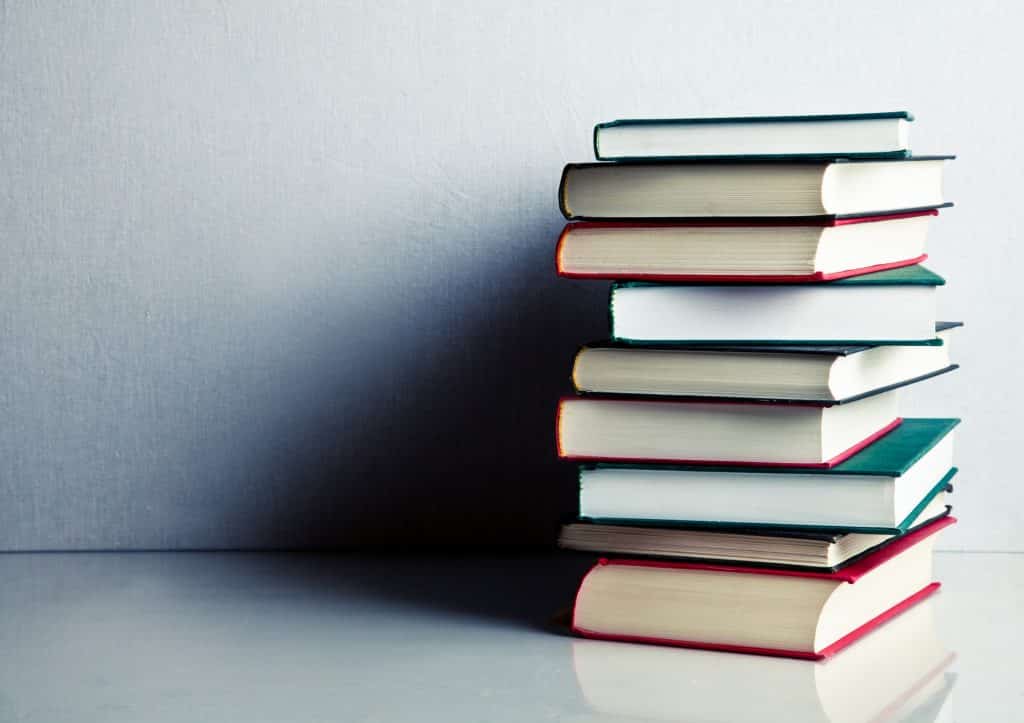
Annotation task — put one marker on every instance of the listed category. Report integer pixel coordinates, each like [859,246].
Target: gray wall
[280,273]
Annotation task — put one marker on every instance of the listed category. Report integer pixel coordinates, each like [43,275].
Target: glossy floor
[245,637]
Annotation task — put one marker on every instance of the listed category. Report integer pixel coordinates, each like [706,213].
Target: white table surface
[275,637]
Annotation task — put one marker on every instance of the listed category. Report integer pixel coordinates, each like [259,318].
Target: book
[789,251]
[883,488]
[835,188]
[894,306]
[897,673]
[759,610]
[744,433]
[834,373]
[852,135]
[796,548]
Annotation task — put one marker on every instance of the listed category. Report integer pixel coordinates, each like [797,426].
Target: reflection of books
[935,706]
[894,674]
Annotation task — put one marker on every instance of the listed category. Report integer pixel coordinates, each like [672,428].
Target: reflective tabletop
[280,637]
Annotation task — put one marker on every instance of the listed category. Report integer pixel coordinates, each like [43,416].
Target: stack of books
[744,466]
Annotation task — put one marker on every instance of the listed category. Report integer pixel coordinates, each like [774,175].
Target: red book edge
[828,464]
[732,278]
[826,652]
[849,574]
[787,278]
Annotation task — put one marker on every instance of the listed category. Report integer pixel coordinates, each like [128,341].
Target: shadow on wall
[439,429]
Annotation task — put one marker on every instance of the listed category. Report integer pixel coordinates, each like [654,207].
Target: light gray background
[280,273]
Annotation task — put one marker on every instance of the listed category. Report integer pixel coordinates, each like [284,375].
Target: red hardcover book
[902,664]
[764,611]
[746,433]
[784,250]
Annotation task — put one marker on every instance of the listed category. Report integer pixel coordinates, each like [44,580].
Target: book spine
[559,247]
[563,188]
[575,365]
[558,429]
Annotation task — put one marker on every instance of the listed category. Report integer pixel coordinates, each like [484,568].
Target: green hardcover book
[896,306]
[885,488]
[853,135]
[753,191]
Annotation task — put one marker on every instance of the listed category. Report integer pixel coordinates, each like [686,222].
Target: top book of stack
[768,168]
[857,135]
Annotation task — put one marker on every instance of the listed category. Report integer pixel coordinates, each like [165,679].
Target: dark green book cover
[782,348]
[916,275]
[754,120]
[943,485]
[889,457]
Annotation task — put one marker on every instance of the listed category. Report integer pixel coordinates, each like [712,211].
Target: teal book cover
[943,485]
[683,124]
[888,458]
[891,456]
[830,349]
[915,275]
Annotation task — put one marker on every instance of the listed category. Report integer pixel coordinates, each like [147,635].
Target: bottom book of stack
[898,673]
[756,609]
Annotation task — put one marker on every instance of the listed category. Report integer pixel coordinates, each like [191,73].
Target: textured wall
[280,273]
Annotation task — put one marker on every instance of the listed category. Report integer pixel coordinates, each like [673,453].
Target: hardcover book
[768,189]
[797,548]
[749,432]
[758,610]
[895,306]
[751,137]
[788,251]
[884,488]
[897,673]
[806,372]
